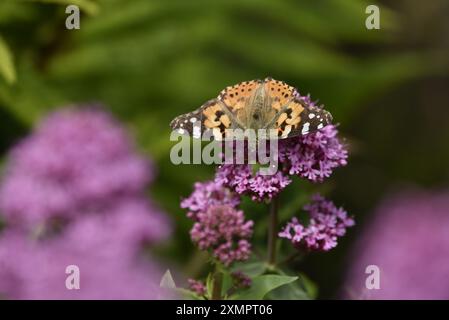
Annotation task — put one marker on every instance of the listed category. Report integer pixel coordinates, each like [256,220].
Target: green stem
[217,283]
[272,231]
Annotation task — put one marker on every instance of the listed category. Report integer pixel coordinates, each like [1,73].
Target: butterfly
[258,105]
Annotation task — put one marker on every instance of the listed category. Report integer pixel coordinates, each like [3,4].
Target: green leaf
[301,289]
[262,285]
[167,281]
[226,284]
[290,291]
[7,69]
[309,286]
[209,284]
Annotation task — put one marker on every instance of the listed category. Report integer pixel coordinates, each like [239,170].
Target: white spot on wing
[196,132]
[305,128]
[320,126]
[286,131]
[311,115]
[193,120]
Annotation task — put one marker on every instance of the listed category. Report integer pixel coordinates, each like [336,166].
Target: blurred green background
[150,60]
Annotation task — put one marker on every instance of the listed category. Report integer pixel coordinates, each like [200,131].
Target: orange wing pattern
[289,121]
[215,118]
[235,97]
[279,92]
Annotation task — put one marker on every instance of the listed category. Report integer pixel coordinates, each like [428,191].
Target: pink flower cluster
[223,230]
[75,161]
[73,193]
[327,224]
[218,225]
[313,156]
[208,194]
[243,181]
[241,280]
[197,286]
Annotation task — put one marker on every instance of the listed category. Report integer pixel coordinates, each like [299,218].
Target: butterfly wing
[294,116]
[189,123]
[310,119]
[237,97]
[213,116]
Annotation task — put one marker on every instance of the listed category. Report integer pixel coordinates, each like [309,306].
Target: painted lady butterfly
[257,104]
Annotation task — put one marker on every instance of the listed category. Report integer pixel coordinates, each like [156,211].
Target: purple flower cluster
[407,238]
[75,161]
[241,280]
[73,194]
[313,157]
[197,286]
[109,264]
[327,224]
[241,179]
[208,194]
[218,225]
[224,231]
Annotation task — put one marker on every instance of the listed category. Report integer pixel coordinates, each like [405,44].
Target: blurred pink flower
[75,160]
[408,239]
[74,194]
[110,267]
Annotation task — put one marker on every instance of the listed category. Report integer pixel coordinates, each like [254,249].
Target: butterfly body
[257,105]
